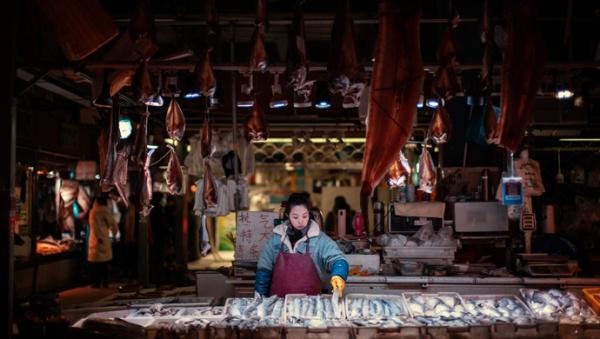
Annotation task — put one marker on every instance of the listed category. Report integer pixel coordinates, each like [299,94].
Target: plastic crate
[592,296]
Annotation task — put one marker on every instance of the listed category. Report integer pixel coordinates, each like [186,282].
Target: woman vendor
[298,256]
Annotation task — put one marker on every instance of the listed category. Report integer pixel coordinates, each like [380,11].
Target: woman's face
[299,217]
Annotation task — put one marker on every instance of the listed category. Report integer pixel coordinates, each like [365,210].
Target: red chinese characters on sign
[253,229]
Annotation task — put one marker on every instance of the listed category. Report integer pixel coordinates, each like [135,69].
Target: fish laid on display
[256,308]
[504,309]
[205,312]
[439,310]
[374,307]
[184,324]
[300,309]
[156,310]
[559,305]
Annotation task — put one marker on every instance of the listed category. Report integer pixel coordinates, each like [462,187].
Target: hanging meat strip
[206,137]
[258,52]
[207,83]
[255,128]
[487,38]
[141,141]
[395,89]
[296,59]
[347,75]
[175,121]
[120,171]
[440,125]
[145,187]
[174,173]
[427,173]
[209,191]
[212,18]
[138,44]
[142,84]
[399,172]
[522,71]
[111,142]
[446,83]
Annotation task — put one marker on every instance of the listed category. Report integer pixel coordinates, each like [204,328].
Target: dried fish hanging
[427,171]
[174,173]
[212,21]
[207,82]
[107,143]
[347,75]
[446,82]
[145,186]
[258,52]
[142,83]
[297,61]
[175,120]
[440,126]
[399,172]
[138,44]
[205,143]
[140,144]
[255,127]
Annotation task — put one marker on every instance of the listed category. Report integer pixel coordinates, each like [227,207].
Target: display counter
[396,312]
[41,274]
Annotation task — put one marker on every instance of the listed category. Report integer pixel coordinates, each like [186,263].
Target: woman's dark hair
[297,199]
[102,199]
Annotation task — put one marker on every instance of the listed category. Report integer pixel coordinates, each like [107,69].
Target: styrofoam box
[368,262]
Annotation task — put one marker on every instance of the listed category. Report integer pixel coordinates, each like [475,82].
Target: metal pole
[7,169]
[234,115]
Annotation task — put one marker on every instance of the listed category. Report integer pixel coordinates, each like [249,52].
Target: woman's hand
[338,283]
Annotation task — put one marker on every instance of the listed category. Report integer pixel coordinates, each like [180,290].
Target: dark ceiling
[179,25]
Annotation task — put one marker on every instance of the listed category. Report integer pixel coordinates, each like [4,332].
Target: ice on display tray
[203,312]
[439,309]
[313,311]
[499,309]
[557,305]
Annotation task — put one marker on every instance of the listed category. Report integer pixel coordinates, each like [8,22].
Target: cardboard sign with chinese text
[253,229]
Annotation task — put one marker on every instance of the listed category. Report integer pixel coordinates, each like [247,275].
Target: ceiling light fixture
[322,95]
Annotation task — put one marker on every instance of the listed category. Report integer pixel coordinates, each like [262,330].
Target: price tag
[528,222]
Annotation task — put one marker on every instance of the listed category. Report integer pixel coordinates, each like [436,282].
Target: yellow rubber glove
[338,283]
